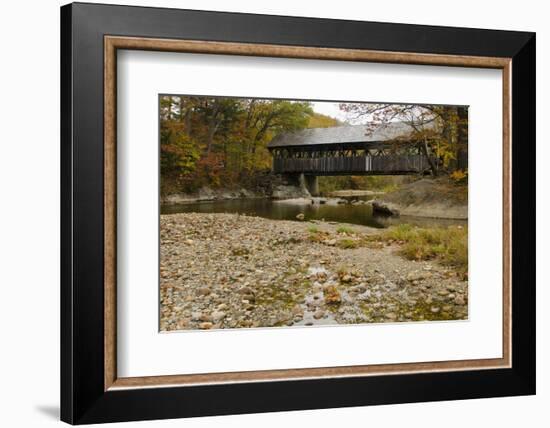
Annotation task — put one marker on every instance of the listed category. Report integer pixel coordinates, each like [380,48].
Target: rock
[205,325]
[385,208]
[183,323]
[290,192]
[297,310]
[360,289]
[206,194]
[205,318]
[250,297]
[391,316]
[416,276]
[434,309]
[203,291]
[300,216]
[346,278]
[246,193]
[218,315]
[459,300]
[319,314]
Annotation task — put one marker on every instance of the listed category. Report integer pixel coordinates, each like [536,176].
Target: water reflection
[343,213]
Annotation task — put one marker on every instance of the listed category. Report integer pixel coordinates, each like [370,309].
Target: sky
[329,109]
[332,109]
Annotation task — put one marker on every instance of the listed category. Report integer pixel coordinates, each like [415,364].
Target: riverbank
[434,198]
[230,271]
[206,194]
[353,193]
[266,185]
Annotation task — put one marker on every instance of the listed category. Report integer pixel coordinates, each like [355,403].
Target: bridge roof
[344,135]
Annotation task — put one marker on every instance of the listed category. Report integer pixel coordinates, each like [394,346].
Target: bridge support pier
[312,184]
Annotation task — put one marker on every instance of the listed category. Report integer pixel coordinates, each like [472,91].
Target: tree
[318,120]
[440,131]
[218,141]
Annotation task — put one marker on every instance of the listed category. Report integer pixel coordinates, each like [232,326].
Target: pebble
[319,314]
[218,315]
[232,271]
[459,300]
[205,325]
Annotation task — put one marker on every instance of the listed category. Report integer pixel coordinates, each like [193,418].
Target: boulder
[289,192]
[385,208]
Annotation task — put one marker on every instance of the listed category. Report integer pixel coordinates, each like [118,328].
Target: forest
[221,142]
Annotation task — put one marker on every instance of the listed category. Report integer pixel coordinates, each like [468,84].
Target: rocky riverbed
[232,271]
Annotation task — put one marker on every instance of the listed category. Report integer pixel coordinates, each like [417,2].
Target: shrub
[459,176]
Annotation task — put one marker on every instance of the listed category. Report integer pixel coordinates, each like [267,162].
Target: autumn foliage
[440,130]
[221,142]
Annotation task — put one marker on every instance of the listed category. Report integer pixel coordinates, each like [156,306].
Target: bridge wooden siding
[352,165]
[346,150]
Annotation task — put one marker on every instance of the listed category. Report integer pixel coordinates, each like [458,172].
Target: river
[276,210]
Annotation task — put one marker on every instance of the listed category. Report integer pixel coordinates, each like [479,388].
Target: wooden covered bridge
[347,150]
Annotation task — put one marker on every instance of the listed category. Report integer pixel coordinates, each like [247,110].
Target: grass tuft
[347,243]
[448,245]
[345,229]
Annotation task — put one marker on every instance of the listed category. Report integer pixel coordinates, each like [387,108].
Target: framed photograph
[265,213]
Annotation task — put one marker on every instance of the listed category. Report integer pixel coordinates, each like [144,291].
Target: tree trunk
[425,152]
[187,121]
[213,124]
[210,138]
[462,138]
